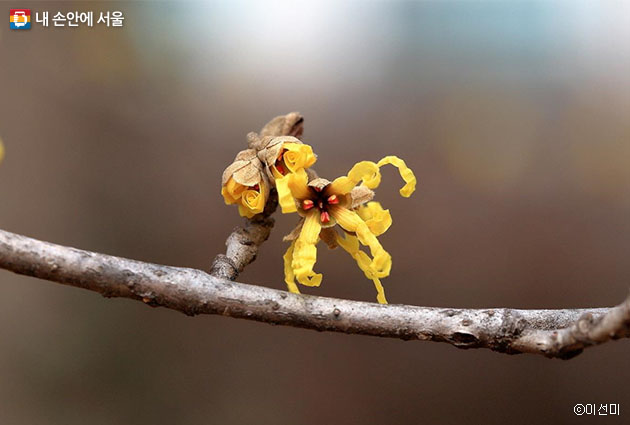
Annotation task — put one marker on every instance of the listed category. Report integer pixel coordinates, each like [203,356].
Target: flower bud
[244,183]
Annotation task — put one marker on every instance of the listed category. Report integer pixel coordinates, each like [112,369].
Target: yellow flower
[250,199]
[282,157]
[245,184]
[344,201]
[294,157]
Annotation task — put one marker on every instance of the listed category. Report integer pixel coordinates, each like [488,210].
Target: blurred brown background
[514,116]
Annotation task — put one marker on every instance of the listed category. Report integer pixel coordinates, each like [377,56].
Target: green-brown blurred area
[514,116]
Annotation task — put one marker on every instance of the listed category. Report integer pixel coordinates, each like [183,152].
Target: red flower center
[321,202]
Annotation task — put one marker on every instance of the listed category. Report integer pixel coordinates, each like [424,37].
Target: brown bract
[246,169]
[360,195]
[291,124]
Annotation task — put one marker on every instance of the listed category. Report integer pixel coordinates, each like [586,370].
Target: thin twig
[243,243]
[553,333]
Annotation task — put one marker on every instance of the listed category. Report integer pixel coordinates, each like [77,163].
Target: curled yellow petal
[405,172]
[298,156]
[351,245]
[298,184]
[289,276]
[1,151]
[244,211]
[253,200]
[366,171]
[226,196]
[305,252]
[376,218]
[291,188]
[285,197]
[232,191]
[364,264]
[348,242]
[381,262]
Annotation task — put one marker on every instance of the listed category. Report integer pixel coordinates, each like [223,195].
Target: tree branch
[553,333]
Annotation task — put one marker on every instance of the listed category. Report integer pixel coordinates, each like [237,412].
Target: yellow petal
[305,252]
[1,151]
[376,218]
[289,276]
[380,291]
[298,156]
[351,245]
[244,211]
[364,264]
[348,242]
[285,197]
[232,191]
[253,200]
[298,185]
[381,263]
[227,197]
[365,170]
[405,172]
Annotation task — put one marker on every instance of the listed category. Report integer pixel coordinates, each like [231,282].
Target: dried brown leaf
[291,124]
[360,195]
[319,183]
[246,169]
